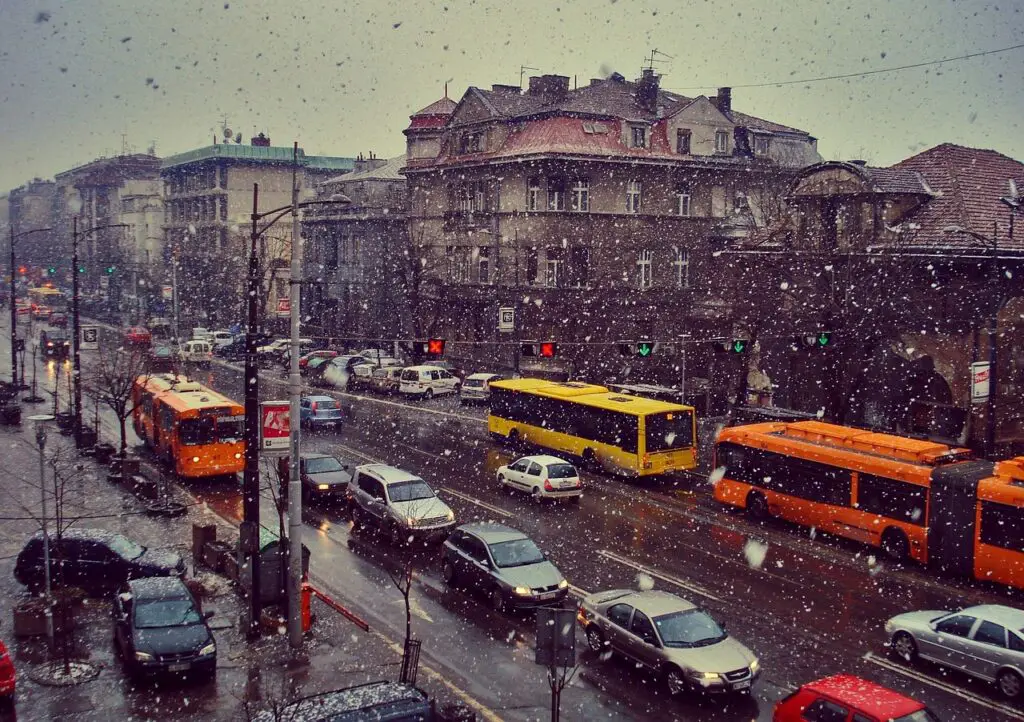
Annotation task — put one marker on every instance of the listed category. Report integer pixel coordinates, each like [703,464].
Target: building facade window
[471,142]
[579,266]
[533,194]
[721,141]
[580,195]
[683,136]
[480,196]
[556,194]
[644,263]
[223,208]
[740,204]
[718,201]
[633,196]
[683,199]
[681,261]
[639,136]
[331,254]
[532,263]
[762,144]
[484,264]
[553,269]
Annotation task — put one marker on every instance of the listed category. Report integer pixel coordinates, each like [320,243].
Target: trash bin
[454,712]
[273,574]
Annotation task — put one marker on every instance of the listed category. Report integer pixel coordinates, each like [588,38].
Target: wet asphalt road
[808,607]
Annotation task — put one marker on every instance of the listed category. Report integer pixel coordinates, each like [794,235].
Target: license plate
[182,667]
[547,595]
[742,685]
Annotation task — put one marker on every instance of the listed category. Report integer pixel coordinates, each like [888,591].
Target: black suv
[94,560]
[54,344]
[159,628]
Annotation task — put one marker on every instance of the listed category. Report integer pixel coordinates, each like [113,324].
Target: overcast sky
[80,78]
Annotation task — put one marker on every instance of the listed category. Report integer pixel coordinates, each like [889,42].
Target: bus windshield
[196,432]
[667,431]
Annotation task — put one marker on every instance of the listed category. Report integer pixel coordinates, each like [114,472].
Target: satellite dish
[228,133]
[238,138]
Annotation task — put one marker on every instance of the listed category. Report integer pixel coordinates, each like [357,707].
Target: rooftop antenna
[656,57]
[522,72]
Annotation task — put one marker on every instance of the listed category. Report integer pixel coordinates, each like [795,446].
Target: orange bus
[195,430]
[914,499]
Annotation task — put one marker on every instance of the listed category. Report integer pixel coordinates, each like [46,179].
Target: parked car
[543,477]
[54,344]
[234,351]
[505,564]
[58,319]
[321,353]
[222,338]
[985,641]
[94,559]
[306,345]
[671,637]
[137,336]
[339,370]
[160,360]
[314,370]
[8,675]
[477,387]
[375,353]
[324,475]
[197,352]
[391,701]
[41,313]
[159,629]
[427,382]
[387,380]
[275,346]
[361,377]
[398,503]
[316,412]
[842,695]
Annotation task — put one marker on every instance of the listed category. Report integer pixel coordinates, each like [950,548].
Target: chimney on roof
[510,89]
[723,101]
[647,91]
[549,87]
[260,140]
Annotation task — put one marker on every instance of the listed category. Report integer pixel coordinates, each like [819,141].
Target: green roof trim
[256,154]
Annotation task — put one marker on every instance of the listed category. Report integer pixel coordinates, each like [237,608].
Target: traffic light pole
[294,427]
[14,318]
[248,538]
[76,340]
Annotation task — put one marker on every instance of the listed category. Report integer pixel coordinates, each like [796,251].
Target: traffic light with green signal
[51,271]
[735,345]
[637,348]
[110,270]
[81,269]
[820,339]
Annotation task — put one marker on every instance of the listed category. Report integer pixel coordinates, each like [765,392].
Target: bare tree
[115,376]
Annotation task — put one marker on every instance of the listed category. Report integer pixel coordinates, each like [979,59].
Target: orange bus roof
[183,395]
[1006,485]
[889,446]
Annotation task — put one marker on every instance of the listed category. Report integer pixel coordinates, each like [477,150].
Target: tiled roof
[388,171]
[444,106]
[896,180]
[968,183]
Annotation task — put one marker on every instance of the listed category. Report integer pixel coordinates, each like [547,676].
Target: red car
[7,674]
[304,360]
[845,698]
[138,336]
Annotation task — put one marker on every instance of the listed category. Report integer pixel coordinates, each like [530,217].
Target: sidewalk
[335,655]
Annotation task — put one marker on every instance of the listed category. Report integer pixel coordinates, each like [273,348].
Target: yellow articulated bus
[622,434]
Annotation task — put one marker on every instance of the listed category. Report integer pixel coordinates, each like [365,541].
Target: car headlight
[210,648]
[522,591]
[238,455]
[755,666]
[709,676]
[143,657]
[450,516]
[323,487]
[195,459]
[563,584]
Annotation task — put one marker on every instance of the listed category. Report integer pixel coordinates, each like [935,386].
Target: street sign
[981,380]
[506,319]
[556,637]
[284,307]
[274,426]
[90,338]
[167,292]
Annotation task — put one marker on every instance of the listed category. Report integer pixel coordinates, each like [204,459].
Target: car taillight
[547,485]
[313,406]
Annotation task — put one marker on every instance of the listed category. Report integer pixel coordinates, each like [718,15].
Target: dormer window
[471,142]
[639,136]
[721,141]
[762,144]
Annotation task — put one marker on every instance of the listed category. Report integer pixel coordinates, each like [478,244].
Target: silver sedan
[986,642]
[674,638]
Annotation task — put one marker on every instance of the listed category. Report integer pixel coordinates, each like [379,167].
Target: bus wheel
[895,544]
[1009,683]
[590,460]
[513,438]
[757,506]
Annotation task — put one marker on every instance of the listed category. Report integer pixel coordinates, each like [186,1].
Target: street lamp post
[40,421]
[14,311]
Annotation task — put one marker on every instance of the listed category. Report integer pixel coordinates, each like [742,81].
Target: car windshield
[922,715]
[516,553]
[561,471]
[125,547]
[692,628]
[474,383]
[166,613]
[322,464]
[410,491]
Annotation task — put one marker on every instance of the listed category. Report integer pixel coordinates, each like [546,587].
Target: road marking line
[963,694]
[473,500]
[420,451]
[689,586]
[356,452]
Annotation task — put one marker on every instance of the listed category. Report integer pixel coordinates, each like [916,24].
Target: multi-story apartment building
[594,211]
[30,207]
[123,191]
[208,195]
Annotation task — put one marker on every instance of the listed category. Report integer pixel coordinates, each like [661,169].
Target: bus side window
[1002,525]
[892,498]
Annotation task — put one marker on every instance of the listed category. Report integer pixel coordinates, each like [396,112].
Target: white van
[202,334]
[222,338]
[196,352]
[427,382]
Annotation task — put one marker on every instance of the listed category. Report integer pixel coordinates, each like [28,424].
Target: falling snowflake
[755,551]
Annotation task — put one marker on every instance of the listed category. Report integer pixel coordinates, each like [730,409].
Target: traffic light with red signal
[539,349]
[432,347]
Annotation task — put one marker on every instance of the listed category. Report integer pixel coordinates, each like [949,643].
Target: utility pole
[993,331]
[14,318]
[294,427]
[76,339]
[248,538]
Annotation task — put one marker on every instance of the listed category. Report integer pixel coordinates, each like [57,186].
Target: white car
[222,338]
[427,382]
[278,344]
[196,352]
[374,353]
[477,387]
[542,476]
[201,334]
